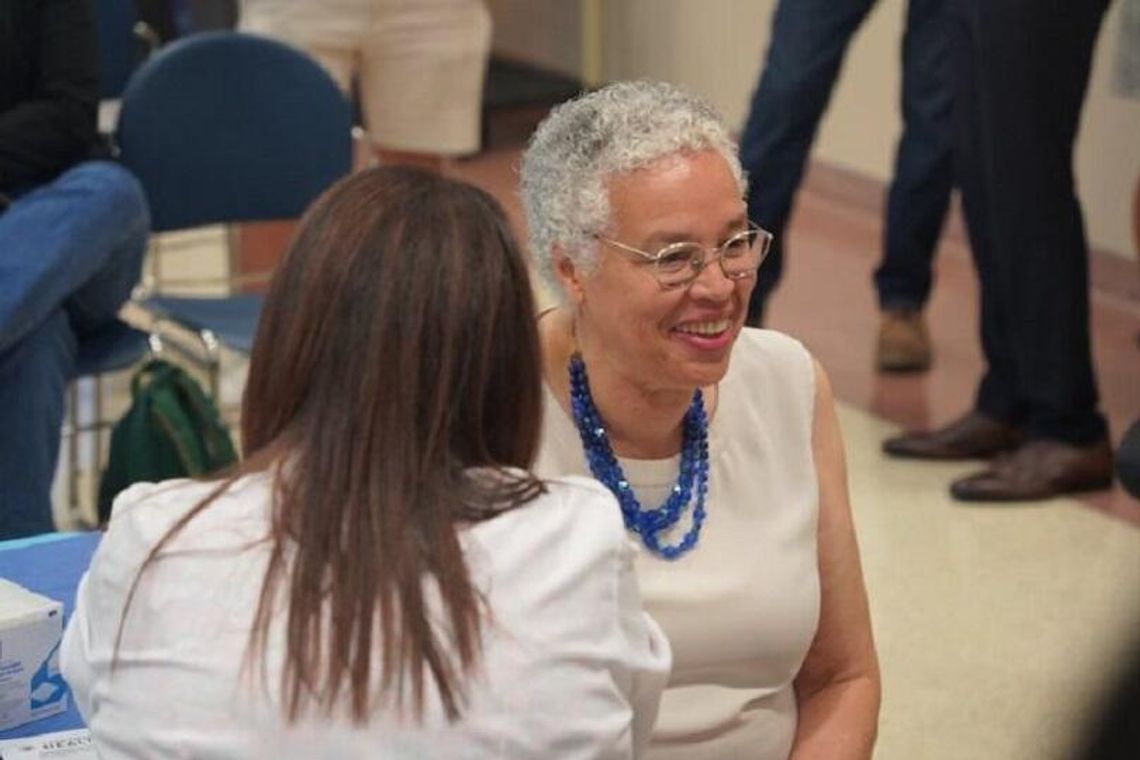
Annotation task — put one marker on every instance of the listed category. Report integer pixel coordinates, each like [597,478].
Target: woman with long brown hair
[383,576]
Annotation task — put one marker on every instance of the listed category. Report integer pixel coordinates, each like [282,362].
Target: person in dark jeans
[1021,69]
[809,40]
[72,236]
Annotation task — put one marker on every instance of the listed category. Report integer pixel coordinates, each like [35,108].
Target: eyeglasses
[677,265]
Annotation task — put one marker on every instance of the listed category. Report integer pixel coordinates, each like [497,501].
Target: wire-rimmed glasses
[677,265]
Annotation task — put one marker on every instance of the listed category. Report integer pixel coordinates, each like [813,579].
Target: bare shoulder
[823,391]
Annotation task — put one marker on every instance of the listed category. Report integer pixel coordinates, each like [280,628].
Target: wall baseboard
[1112,275]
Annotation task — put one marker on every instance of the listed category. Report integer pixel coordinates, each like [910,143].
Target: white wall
[544,32]
[715,47]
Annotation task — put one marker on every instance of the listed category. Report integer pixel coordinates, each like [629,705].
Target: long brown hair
[397,350]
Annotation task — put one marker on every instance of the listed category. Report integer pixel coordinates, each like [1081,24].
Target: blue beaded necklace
[647,523]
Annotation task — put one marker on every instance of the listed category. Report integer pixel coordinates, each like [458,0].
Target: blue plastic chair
[124,42]
[118,45]
[222,128]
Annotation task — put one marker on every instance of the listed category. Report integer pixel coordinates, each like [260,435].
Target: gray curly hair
[619,128]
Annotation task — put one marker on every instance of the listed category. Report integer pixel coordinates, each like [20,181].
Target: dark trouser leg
[920,189]
[997,393]
[1032,66]
[808,41]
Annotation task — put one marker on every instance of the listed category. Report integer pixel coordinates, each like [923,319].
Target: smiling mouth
[704,328]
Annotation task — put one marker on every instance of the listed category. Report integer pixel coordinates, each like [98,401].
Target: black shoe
[972,436]
[1039,469]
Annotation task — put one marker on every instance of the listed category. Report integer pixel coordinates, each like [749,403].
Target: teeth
[704,328]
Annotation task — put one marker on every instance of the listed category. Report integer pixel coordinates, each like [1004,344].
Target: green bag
[171,430]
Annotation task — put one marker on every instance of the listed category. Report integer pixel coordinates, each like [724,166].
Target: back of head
[397,350]
[619,128]
[403,309]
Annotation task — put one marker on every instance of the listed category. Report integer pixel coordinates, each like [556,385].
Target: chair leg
[233,253]
[72,433]
[155,252]
[213,350]
[91,512]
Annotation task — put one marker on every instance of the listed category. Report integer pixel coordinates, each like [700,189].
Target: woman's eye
[676,259]
[738,244]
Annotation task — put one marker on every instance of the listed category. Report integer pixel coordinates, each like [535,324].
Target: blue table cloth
[51,565]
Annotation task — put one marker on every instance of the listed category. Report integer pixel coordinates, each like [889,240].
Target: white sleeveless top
[742,607]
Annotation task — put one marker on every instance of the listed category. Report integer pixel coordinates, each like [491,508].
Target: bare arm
[838,687]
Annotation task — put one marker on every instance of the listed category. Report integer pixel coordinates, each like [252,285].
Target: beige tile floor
[996,627]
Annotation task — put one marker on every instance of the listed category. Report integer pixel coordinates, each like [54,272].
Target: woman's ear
[569,276]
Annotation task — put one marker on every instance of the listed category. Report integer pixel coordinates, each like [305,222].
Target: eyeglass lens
[682,262]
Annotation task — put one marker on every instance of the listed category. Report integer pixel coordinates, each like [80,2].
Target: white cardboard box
[73,745]
[31,627]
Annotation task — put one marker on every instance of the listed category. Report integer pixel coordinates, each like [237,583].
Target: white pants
[420,64]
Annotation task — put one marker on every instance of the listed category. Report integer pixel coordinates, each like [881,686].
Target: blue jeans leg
[33,380]
[78,240]
[809,39]
[923,176]
[70,252]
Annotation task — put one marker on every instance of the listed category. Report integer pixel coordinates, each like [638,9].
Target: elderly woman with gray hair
[719,441]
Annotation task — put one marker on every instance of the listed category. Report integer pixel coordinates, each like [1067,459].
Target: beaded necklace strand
[694,474]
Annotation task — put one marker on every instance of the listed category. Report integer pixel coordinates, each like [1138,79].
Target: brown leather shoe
[1039,469]
[904,343]
[972,436]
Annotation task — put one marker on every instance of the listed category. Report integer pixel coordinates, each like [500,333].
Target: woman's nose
[711,282]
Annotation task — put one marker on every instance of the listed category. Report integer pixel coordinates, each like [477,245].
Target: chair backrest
[119,48]
[229,127]
[197,16]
